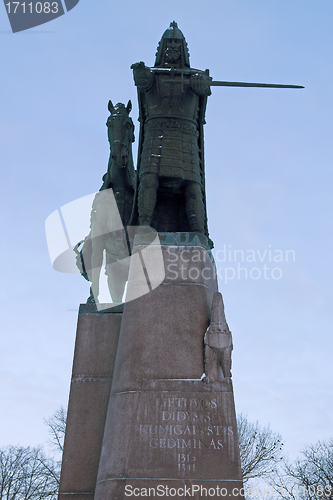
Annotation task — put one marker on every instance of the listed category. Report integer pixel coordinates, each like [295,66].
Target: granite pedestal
[166,427]
[94,357]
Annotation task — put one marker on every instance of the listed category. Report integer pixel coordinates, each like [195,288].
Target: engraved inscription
[185,428]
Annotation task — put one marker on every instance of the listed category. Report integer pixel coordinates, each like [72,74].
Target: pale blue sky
[268,177]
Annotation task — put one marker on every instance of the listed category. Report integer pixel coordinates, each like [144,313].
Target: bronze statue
[112,210]
[121,176]
[171,195]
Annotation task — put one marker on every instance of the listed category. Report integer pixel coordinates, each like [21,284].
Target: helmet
[172,50]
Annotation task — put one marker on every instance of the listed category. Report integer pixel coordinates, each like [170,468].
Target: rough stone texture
[162,331]
[164,424]
[171,431]
[167,488]
[94,357]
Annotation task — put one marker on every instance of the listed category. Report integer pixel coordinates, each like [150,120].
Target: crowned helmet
[172,50]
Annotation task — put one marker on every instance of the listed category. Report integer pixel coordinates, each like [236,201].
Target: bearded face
[173,52]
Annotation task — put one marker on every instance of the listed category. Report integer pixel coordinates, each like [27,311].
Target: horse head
[120,133]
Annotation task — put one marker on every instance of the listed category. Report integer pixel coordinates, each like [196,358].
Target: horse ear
[110,107]
[129,106]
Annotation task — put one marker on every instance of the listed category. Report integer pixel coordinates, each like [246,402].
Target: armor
[172,102]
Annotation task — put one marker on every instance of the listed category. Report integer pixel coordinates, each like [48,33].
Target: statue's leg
[226,362]
[128,206]
[147,198]
[95,273]
[98,246]
[117,276]
[211,364]
[195,207]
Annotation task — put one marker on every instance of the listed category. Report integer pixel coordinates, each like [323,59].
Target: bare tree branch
[311,475]
[57,428]
[27,474]
[260,449]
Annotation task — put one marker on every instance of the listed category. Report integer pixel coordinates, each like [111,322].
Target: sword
[245,84]
[216,83]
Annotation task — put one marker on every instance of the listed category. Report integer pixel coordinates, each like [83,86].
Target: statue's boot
[195,207]
[147,198]
[95,273]
[91,298]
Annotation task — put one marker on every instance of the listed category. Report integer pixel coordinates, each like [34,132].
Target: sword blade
[245,84]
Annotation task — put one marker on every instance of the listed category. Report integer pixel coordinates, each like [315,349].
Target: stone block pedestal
[95,352]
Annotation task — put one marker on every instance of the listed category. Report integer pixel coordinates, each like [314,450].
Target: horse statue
[112,211]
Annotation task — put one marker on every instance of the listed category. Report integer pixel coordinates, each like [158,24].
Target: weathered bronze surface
[171,195]
[112,209]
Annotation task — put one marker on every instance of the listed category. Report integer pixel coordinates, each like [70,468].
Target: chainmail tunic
[170,149]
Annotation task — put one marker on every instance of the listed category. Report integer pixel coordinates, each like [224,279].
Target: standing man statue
[172,102]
